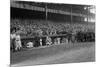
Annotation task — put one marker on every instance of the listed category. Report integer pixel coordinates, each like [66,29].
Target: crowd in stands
[25,33]
[33,27]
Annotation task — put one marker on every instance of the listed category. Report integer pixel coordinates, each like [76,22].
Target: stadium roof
[77,10]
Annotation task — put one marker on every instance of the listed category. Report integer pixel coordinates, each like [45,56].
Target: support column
[71,15]
[87,14]
[46,12]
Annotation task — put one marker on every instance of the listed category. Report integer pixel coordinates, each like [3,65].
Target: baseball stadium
[51,33]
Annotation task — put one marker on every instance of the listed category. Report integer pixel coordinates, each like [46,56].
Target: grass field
[77,52]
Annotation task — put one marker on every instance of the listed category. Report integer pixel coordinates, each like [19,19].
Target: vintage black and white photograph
[43,33]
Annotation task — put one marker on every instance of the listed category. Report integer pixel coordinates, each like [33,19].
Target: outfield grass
[77,52]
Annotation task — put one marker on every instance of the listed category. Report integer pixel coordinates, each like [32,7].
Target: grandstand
[51,18]
[52,11]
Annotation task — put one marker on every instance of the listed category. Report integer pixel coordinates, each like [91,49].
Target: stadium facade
[53,11]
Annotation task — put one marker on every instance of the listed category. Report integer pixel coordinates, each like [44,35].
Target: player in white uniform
[58,40]
[18,42]
[40,41]
[48,41]
[12,41]
[15,39]
[30,44]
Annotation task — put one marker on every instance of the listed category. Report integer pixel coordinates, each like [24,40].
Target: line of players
[17,43]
